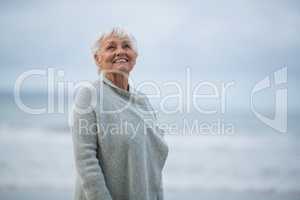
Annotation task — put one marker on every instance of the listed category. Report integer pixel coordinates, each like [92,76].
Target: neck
[119,80]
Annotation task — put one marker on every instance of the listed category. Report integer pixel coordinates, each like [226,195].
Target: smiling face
[116,54]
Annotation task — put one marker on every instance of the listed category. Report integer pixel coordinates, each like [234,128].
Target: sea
[211,156]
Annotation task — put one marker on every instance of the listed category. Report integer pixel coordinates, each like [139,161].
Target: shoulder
[141,96]
[86,94]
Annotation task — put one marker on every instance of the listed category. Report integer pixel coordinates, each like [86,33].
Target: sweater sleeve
[85,145]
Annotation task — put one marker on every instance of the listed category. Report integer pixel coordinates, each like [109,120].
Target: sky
[219,41]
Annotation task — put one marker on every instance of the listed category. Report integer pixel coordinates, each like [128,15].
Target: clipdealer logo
[202,91]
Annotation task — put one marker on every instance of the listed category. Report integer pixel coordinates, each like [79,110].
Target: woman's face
[116,54]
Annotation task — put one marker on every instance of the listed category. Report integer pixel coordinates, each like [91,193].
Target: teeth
[121,60]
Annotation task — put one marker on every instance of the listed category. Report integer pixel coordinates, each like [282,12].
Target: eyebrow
[126,41]
[108,43]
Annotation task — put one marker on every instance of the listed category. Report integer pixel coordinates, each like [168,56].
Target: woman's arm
[85,144]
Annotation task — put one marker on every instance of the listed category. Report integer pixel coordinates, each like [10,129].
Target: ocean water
[37,155]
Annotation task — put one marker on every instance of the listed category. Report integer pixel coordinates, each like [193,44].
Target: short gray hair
[117,32]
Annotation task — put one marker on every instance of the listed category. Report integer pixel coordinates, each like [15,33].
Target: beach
[37,163]
[46,194]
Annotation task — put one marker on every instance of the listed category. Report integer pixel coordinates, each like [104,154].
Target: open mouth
[120,60]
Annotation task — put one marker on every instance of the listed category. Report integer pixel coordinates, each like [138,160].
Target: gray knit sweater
[119,149]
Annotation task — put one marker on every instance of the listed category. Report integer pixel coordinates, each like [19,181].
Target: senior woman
[119,148]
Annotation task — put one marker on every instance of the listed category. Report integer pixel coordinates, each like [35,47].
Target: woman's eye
[109,47]
[127,46]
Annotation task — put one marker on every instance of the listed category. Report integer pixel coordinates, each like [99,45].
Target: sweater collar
[128,93]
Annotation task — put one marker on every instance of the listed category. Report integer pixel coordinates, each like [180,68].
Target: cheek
[133,58]
[106,59]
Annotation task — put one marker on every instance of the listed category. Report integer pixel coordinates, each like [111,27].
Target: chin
[125,69]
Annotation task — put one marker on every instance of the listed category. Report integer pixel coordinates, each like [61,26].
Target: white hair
[116,32]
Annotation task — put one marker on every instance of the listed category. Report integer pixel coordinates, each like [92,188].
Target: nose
[120,51]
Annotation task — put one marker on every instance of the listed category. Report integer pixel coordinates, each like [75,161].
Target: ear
[97,59]
[136,54]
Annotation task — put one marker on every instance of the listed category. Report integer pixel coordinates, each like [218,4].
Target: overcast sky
[243,41]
